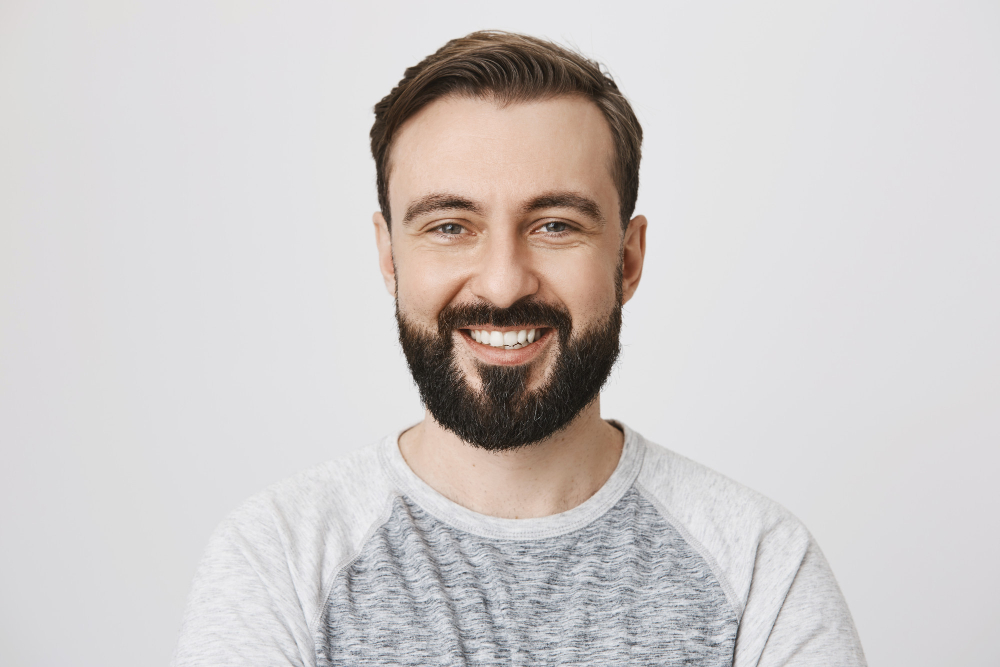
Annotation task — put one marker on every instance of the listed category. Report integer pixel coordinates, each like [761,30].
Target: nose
[504,274]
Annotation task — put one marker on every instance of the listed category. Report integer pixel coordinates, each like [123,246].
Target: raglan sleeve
[813,625]
[244,607]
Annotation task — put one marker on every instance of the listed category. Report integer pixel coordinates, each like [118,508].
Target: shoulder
[305,528]
[267,568]
[736,529]
[337,494]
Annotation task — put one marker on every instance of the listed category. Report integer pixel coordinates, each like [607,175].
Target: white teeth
[510,340]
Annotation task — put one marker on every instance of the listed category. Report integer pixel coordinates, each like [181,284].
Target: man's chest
[626,590]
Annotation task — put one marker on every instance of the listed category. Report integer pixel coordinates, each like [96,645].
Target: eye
[450,228]
[554,227]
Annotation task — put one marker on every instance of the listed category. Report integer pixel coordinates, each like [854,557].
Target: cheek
[422,289]
[587,288]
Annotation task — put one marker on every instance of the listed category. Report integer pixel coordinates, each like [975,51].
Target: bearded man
[513,525]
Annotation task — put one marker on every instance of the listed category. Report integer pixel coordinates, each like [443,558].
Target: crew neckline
[484,525]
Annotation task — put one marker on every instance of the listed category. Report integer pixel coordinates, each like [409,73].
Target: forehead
[477,148]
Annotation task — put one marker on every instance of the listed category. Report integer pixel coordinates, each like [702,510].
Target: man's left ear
[633,254]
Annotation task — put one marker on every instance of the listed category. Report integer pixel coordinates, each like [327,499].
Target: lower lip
[498,356]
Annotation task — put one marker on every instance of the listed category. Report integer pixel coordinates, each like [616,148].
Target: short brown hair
[510,68]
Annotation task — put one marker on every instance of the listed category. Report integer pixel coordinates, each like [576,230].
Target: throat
[546,478]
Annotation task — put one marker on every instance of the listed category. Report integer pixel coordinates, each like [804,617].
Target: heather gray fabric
[624,588]
[358,562]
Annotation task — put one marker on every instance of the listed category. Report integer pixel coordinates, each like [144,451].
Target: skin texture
[494,204]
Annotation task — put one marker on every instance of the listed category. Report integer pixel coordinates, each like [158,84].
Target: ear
[383,241]
[633,255]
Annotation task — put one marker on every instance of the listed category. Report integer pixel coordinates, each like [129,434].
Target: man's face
[505,227]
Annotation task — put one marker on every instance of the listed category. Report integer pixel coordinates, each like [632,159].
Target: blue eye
[450,228]
[555,227]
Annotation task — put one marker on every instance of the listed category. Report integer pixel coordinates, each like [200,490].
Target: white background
[190,307]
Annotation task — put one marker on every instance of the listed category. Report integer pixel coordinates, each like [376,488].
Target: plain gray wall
[190,307]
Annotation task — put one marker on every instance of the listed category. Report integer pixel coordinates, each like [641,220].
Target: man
[512,525]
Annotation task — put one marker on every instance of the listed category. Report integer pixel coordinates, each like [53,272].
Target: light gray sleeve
[813,625]
[790,608]
[261,584]
[243,608]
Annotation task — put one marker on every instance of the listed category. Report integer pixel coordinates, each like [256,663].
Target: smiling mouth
[508,340]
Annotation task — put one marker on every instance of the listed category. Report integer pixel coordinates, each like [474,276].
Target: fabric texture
[359,562]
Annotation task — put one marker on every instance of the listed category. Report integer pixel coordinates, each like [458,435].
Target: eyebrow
[571,200]
[439,202]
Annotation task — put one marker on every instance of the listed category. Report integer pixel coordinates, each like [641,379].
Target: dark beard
[504,414]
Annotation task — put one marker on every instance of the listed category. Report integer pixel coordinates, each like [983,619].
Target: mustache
[525,312]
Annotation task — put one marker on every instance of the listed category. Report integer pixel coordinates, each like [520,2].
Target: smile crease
[508,340]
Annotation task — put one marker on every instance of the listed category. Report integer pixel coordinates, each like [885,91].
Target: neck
[545,478]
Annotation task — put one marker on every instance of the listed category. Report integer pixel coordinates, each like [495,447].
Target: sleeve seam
[347,560]
[724,583]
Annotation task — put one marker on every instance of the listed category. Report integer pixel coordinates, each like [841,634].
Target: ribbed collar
[453,514]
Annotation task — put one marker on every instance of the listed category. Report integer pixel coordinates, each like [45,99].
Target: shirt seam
[345,562]
[624,483]
[693,542]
